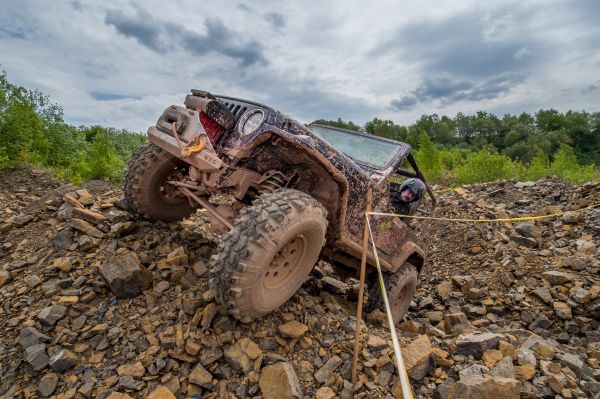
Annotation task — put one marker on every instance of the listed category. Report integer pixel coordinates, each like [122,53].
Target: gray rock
[580,295]
[543,293]
[22,219]
[456,323]
[47,384]
[573,362]
[126,276]
[62,240]
[504,368]
[36,356]
[31,336]
[556,277]
[524,184]
[530,230]
[65,211]
[63,360]
[476,344]
[333,285]
[571,217]
[51,314]
[474,370]
[525,356]
[128,382]
[574,263]
[443,390]
[209,356]
[524,241]
[332,364]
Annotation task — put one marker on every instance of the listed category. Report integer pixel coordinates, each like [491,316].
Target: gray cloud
[448,89]
[162,37]
[96,95]
[470,44]
[590,88]
[245,7]
[277,20]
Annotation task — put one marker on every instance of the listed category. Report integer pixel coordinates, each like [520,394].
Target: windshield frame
[399,155]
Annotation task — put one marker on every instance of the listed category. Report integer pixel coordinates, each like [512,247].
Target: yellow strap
[403,375]
[189,150]
[517,219]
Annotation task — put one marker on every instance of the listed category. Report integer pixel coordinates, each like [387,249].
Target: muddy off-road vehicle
[295,193]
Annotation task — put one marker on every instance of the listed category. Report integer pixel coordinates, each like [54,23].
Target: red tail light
[212,128]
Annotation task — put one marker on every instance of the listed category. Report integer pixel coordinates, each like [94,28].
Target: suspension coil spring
[272,183]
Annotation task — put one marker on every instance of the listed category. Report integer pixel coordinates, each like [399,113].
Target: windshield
[360,147]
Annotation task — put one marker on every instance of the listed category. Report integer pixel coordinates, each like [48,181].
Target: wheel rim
[169,192]
[399,303]
[285,263]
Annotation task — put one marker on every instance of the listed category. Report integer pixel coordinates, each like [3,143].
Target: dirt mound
[501,308]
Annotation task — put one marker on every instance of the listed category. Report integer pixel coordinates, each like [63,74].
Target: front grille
[236,109]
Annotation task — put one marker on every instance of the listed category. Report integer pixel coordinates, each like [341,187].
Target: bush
[566,166]
[539,165]
[484,166]
[4,160]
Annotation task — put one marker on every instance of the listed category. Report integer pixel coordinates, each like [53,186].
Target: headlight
[251,121]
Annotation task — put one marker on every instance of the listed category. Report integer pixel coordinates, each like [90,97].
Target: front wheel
[400,287]
[268,254]
[146,190]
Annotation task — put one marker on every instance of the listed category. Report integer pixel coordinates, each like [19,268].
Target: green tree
[428,158]
[539,166]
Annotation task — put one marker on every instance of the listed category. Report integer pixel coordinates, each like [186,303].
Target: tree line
[483,147]
[463,149]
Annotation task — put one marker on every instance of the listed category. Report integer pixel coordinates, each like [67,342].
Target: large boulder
[126,276]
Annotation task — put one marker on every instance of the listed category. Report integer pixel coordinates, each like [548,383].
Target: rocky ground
[502,310]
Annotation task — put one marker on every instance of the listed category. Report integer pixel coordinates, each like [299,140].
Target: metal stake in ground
[361,287]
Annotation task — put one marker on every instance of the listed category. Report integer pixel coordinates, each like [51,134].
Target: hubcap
[169,191]
[400,299]
[284,263]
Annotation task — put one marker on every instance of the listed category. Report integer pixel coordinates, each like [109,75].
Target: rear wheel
[147,192]
[269,253]
[400,287]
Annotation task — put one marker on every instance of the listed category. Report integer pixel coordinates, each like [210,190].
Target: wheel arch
[318,177]
[412,254]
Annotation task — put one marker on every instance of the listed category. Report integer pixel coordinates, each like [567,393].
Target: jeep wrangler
[296,193]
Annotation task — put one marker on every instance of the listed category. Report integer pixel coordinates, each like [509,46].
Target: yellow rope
[402,374]
[517,219]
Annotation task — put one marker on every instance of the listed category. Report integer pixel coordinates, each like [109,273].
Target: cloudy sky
[120,63]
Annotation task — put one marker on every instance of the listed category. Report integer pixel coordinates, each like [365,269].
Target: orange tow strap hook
[189,150]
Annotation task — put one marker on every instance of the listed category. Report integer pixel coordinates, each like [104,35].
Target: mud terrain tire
[400,287]
[268,254]
[146,193]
